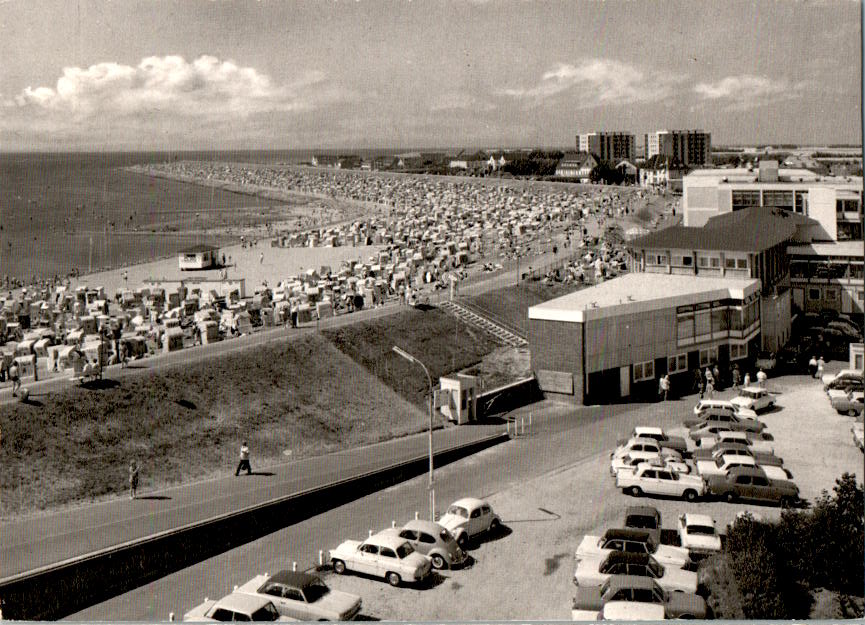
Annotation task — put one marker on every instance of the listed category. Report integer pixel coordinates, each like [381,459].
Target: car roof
[733,434]
[741,460]
[642,511]
[627,532]
[753,389]
[430,527]
[715,402]
[241,602]
[643,439]
[698,519]
[468,502]
[294,578]
[385,539]
[631,581]
[648,429]
[743,470]
[627,557]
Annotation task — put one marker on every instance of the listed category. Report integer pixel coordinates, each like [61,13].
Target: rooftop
[743,175]
[640,292]
[839,248]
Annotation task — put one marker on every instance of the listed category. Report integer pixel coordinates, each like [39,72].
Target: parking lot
[526,571]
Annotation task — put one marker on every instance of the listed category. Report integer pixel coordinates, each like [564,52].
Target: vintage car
[709,428]
[632,541]
[303,596]
[432,540]
[236,607]
[754,398]
[853,375]
[731,421]
[698,534]
[381,555]
[752,483]
[651,480]
[627,611]
[715,436]
[634,588]
[631,461]
[644,518]
[720,465]
[469,517]
[644,446]
[676,443]
[737,449]
[704,405]
[594,571]
[849,403]
[846,384]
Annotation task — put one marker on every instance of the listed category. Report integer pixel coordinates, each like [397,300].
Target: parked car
[698,534]
[591,599]
[644,518]
[676,443]
[632,541]
[718,423]
[381,555]
[737,449]
[469,517]
[715,436]
[724,405]
[858,430]
[752,483]
[236,607]
[720,465]
[854,375]
[754,398]
[626,611]
[303,596]
[432,540]
[845,384]
[644,445]
[849,403]
[595,571]
[631,462]
[652,480]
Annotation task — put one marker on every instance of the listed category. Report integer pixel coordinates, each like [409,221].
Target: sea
[63,213]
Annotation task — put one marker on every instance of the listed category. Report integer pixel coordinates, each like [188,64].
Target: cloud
[456,101]
[596,82]
[748,91]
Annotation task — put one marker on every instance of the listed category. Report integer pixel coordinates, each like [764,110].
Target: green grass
[439,340]
[188,422]
[511,303]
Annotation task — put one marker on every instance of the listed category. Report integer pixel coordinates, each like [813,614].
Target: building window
[644,371]
[745,199]
[687,261]
[730,263]
[685,326]
[738,351]
[781,199]
[860,295]
[741,263]
[831,295]
[708,356]
[814,294]
[716,262]
[677,363]
[702,323]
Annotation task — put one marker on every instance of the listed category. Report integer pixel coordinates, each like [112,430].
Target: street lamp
[432,493]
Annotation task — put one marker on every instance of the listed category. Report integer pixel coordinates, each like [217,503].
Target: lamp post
[431,484]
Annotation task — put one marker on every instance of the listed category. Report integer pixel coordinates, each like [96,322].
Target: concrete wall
[821,206]
[557,352]
[624,340]
[775,320]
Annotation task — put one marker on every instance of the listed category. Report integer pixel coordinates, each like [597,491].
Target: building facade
[828,276]
[608,146]
[691,148]
[616,339]
[576,165]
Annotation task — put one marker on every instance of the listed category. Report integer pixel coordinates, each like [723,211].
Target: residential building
[608,146]
[576,165]
[616,339]
[661,172]
[691,148]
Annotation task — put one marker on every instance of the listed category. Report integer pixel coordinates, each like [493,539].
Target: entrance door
[625,381]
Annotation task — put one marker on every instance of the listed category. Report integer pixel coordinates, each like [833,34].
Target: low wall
[508,397]
[55,591]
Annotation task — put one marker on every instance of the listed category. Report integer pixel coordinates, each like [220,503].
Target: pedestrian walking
[716,376]
[261,258]
[708,375]
[698,382]
[710,389]
[664,387]
[761,378]
[35,369]
[812,366]
[747,381]
[133,479]
[737,376]
[244,461]
[14,375]
[821,364]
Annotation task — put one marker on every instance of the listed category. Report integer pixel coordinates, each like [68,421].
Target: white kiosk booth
[459,398]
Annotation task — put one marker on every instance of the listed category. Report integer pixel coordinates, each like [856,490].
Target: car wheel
[852,412]
[463,540]
[691,495]
[438,562]
[338,567]
[494,525]
[635,491]
[394,579]
[730,496]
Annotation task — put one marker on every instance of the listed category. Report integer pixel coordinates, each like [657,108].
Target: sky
[330,74]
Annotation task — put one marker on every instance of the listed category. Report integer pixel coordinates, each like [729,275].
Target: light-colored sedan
[381,555]
[630,462]
[640,445]
[594,571]
[236,607]
[469,517]
[849,402]
[434,541]
[754,398]
[303,596]
[698,534]
[651,480]
[632,541]
[755,442]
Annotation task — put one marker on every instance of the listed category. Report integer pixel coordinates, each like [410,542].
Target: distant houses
[577,165]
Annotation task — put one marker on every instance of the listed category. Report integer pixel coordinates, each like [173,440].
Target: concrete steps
[503,335]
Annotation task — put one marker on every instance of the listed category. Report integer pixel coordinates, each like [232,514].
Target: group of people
[816,367]
[706,383]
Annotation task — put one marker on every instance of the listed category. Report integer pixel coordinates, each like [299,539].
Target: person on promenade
[664,387]
[244,461]
[812,366]
[133,479]
[747,381]
[710,388]
[698,382]
[821,364]
[737,376]
[761,378]
[15,376]
[35,369]
[716,376]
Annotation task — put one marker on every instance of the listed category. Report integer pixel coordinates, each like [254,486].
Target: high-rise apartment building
[607,146]
[692,148]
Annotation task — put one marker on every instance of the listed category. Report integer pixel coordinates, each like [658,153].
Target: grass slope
[186,423]
[511,303]
[444,344]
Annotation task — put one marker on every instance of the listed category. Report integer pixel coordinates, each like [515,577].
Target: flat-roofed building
[608,146]
[692,148]
[828,276]
[616,339]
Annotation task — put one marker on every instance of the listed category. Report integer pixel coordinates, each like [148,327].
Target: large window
[856,270]
[708,356]
[685,326]
[738,351]
[745,199]
[720,319]
[781,199]
[644,371]
[702,322]
[801,203]
[677,363]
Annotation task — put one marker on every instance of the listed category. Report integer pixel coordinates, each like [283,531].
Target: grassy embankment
[187,422]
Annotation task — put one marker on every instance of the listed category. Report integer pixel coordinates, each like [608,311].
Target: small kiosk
[459,403]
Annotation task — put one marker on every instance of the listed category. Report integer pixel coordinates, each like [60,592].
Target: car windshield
[265,613]
[458,511]
[703,530]
[641,521]
[656,569]
[404,550]
[315,591]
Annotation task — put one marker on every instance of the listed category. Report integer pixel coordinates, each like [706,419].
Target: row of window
[827,270]
[796,201]
[679,362]
[705,321]
[680,260]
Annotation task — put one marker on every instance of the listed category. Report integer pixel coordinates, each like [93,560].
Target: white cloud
[457,101]
[747,90]
[595,82]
